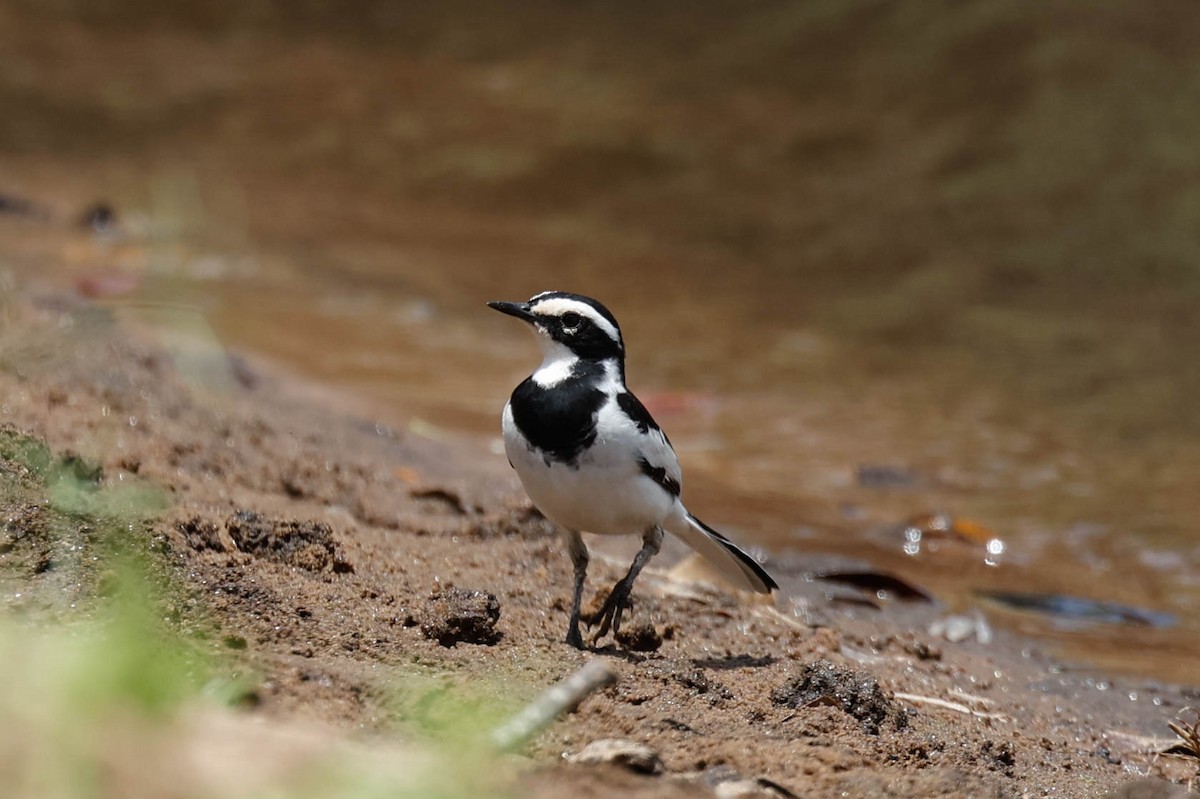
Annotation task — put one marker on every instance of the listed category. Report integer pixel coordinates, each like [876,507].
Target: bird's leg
[618,597]
[579,559]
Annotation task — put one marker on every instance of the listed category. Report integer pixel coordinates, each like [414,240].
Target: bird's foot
[609,615]
[573,636]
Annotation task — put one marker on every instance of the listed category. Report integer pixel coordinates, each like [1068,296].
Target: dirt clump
[457,615]
[856,693]
[202,534]
[304,544]
[639,636]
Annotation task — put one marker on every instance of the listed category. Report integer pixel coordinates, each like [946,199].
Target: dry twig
[1188,745]
[552,703]
[946,704]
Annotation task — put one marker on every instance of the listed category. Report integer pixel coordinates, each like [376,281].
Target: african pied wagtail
[591,457]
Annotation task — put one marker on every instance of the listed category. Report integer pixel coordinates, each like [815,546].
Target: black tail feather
[743,558]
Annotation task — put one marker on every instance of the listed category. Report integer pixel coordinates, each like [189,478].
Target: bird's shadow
[726,663]
[735,662]
[615,651]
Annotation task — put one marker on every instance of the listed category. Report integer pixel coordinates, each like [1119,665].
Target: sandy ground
[331,554]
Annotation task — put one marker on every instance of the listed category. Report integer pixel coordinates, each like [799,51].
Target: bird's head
[569,325]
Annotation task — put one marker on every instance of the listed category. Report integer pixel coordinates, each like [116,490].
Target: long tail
[732,563]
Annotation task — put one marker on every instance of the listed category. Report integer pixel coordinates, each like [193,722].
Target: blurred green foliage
[100,695]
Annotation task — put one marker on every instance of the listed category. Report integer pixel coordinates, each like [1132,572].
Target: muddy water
[842,319]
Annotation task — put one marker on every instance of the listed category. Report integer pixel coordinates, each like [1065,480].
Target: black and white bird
[591,457]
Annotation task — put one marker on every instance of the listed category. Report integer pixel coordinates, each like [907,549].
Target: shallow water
[843,318]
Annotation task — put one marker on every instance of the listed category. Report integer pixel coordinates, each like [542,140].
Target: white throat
[557,363]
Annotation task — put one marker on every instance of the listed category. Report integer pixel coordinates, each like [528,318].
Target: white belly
[605,492]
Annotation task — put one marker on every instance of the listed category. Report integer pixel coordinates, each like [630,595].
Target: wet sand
[329,553]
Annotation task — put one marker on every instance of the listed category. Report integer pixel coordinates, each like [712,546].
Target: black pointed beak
[517,309]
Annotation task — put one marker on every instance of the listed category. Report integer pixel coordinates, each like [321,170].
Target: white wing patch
[650,445]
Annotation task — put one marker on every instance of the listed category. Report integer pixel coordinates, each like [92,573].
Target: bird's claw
[609,615]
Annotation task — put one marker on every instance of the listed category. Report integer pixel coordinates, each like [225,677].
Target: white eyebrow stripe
[557,306]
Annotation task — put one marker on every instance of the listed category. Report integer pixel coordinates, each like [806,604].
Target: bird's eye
[571,320]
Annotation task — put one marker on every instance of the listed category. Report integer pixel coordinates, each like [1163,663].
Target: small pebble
[957,629]
[629,754]
[743,789]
